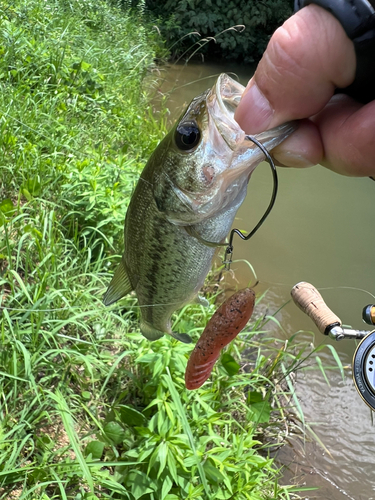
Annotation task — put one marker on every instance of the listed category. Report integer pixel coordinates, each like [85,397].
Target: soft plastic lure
[226,323]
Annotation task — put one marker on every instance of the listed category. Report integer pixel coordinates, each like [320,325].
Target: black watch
[357,17]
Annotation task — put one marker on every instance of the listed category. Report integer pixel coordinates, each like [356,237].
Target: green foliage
[229,364]
[75,126]
[241,30]
[89,408]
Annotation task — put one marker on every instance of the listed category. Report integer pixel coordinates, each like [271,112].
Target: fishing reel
[309,300]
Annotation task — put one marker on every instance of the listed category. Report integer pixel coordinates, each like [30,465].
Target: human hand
[306,60]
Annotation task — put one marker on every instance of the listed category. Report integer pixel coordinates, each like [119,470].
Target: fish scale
[172,276]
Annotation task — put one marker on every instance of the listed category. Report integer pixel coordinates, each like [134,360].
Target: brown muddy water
[320,231]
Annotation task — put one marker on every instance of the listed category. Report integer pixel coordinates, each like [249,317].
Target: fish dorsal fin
[119,286]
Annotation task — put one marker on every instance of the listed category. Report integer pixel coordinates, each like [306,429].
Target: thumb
[306,59]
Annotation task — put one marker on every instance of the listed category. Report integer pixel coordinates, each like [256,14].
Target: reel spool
[309,300]
[364,361]
[364,369]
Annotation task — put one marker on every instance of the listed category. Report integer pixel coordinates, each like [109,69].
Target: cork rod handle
[309,300]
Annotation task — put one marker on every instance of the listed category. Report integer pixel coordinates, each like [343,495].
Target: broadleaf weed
[89,408]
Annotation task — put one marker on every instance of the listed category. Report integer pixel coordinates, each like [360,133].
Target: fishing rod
[310,301]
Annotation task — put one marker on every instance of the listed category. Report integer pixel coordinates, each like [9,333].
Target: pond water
[319,231]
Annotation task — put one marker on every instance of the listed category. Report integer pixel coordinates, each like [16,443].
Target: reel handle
[309,300]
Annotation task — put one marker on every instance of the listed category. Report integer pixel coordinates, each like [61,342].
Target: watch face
[364,369]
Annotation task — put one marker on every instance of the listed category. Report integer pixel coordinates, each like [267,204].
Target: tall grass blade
[177,401]
[68,422]
[321,368]
[293,393]
[337,359]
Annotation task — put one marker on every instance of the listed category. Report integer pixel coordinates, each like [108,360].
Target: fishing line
[291,285]
[137,306]
[68,309]
[320,288]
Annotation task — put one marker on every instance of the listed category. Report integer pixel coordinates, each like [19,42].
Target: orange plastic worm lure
[225,324]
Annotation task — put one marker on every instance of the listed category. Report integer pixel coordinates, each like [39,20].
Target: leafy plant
[89,409]
[232,30]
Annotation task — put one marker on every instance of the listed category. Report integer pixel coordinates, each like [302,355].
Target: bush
[215,18]
[72,106]
[90,409]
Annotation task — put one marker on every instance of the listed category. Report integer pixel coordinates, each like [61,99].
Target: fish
[224,325]
[184,204]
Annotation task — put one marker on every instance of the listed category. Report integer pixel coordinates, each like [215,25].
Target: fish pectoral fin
[119,286]
[182,337]
[191,231]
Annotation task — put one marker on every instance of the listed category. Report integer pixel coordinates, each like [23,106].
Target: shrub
[215,18]
[89,408]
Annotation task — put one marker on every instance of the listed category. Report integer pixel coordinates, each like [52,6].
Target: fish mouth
[229,93]
[229,141]
[226,153]
[222,102]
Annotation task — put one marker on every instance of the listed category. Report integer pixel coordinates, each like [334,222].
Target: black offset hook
[229,246]
[229,250]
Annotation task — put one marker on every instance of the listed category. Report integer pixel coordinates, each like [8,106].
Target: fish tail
[119,286]
[152,333]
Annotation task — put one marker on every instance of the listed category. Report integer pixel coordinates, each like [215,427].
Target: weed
[90,409]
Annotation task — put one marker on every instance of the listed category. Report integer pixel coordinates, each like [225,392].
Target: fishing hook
[229,245]
[229,250]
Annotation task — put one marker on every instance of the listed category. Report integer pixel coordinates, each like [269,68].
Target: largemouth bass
[189,191]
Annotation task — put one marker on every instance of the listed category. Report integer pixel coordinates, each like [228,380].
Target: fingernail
[292,160]
[254,113]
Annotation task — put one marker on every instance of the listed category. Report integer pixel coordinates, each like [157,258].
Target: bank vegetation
[89,409]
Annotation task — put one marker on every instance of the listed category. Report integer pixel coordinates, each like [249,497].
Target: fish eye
[187,136]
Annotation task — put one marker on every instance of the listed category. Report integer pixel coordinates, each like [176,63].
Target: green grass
[89,408]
